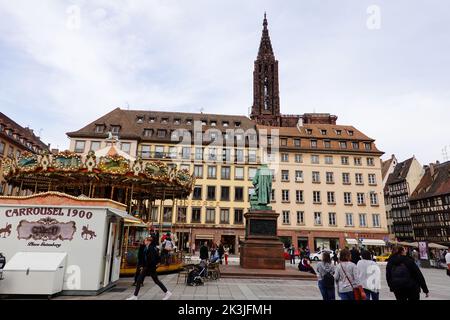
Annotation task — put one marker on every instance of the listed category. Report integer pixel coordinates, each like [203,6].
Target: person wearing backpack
[369,275]
[151,261]
[325,276]
[403,276]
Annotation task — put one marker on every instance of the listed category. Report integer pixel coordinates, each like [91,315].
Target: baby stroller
[196,276]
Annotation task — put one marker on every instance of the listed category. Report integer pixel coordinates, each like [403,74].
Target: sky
[382,66]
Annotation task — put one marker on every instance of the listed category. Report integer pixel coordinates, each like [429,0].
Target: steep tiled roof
[435,182]
[385,165]
[400,172]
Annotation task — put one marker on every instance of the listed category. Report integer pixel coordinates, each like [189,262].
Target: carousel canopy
[66,171]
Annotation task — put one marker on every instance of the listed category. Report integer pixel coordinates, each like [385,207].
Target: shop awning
[373,242]
[351,241]
[437,246]
[204,237]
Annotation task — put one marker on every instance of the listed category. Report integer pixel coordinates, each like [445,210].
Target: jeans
[292,259]
[347,295]
[137,273]
[370,295]
[152,273]
[327,293]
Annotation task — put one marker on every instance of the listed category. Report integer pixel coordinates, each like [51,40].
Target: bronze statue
[262,182]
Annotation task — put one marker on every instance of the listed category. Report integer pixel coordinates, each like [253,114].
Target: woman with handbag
[347,278]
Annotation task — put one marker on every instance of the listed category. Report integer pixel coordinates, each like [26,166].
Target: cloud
[390,83]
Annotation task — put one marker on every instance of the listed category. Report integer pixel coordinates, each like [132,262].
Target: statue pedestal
[262,249]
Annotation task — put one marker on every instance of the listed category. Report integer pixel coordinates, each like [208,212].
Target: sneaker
[132,298]
[167,295]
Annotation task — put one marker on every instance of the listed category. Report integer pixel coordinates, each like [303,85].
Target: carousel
[109,173]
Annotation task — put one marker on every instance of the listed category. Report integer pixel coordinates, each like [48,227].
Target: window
[373,199]
[197,193]
[355,145]
[145,152]
[225,193]
[372,179]
[328,160]
[313,143]
[154,214]
[346,178]
[272,195]
[286,217]
[347,198]
[344,160]
[284,157]
[198,171]
[161,133]
[309,131]
[349,219]
[199,153]
[331,198]
[339,132]
[357,161]
[327,144]
[316,177]
[330,177]
[2,148]
[186,152]
[360,198]
[238,193]
[299,196]
[225,123]
[251,173]
[251,191]
[148,132]
[300,217]
[95,145]
[376,221]
[367,146]
[167,214]
[323,132]
[225,216]
[298,158]
[318,218]
[99,128]
[315,159]
[297,142]
[298,176]
[173,152]
[125,147]
[212,172]
[332,218]
[210,215]
[188,122]
[237,124]
[343,144]
[283,142]
[359,178]
[238,216]
[284,175]
[79,146]
[285,195]
[350,132]
[151,120]
[164,120]
[316,197]
[212,155]
[211,194]
[181,214]
[252,156]
[362,220]
[225,173]
[115,129]
[239,155]
[159,151]
[370,162]
[239,173]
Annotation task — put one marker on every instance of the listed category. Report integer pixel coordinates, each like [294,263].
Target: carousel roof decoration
[65,170]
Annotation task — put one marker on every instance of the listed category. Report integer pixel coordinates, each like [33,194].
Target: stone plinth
[262,249]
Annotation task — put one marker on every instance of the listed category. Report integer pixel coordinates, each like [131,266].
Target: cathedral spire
[265,47]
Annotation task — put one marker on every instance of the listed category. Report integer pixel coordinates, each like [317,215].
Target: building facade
[224,151]
[430,205]
[399,186]
[15,139]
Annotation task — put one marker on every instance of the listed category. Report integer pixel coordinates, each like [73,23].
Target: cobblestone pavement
[254,289]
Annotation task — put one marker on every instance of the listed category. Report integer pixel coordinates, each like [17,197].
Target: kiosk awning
[351,241]
[373,242]
[205,237]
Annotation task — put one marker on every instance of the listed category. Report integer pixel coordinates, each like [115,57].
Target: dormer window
[164,120]
[151,120]
[161,133]
[148,132]
[176,121]
[225,123]
[367,146]
[237,124]
[323,132]
[355,145]
[213,123]
[204,122]
[188,122]
[140,119]
[309,131]
[343,144]
[339,132]
[115,129]
[350,132]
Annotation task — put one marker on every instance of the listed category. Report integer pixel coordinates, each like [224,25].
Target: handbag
[358,292]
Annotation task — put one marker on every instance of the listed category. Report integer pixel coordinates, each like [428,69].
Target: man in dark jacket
[356,255]
[403,276]
[151,259]
[140,264]
[204,255]
[221,251]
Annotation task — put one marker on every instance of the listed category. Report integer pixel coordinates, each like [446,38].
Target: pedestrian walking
[404,277]
[204,252]
[325,276]
[346,276]
[369,276]
[221,251]
[355,255]
[226,253]
[214,256]
[415,256]
[447,261]
[139,264]
[335,257]
[151,261]
[292,254]
[307,252]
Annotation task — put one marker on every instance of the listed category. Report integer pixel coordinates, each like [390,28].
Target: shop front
[326,243]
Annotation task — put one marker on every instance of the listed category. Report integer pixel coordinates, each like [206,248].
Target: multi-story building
[430,205]
[15,139]
[224,151]
[399,186]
